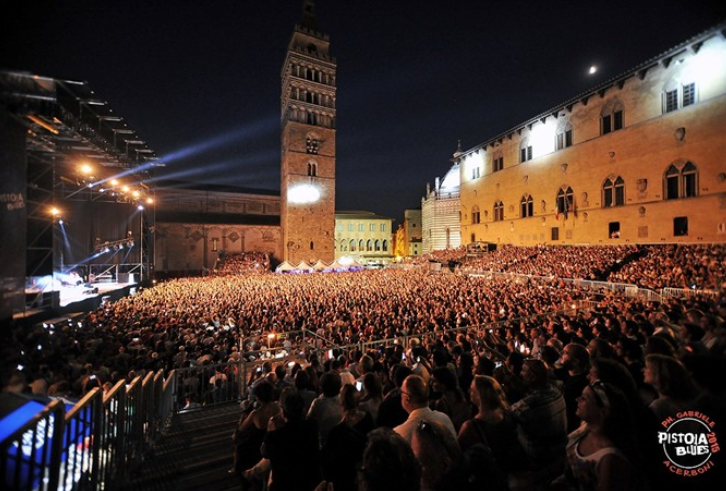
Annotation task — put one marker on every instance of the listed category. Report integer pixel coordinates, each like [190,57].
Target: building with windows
[196,223]
[363,236]
[408,241]
[307,176]
[441,209]
[638,159]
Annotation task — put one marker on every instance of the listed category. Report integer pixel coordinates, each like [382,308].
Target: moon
[593,70]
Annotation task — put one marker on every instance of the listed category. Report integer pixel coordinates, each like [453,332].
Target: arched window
[361,245]
[475,215]
[369,247]
[677,95]
[352,245]
[526,206]
[611,117]
[385,246]
[312,169]
[377,245]
[681,181]
[498,211]
[565,200]
[343,245]
[497,161]
[525,150]
[563,136]
[613,192]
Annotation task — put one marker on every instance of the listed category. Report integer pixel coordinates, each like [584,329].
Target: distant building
[637,159]
[408,235]
[195,223]
[440,212]
[363,236]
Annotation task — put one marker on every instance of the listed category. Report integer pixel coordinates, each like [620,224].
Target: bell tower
[307,177]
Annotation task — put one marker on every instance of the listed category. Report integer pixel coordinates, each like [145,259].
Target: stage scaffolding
[85,174]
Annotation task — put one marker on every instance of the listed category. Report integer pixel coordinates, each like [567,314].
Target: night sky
[200,80]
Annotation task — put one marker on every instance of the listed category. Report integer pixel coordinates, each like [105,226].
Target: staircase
[195,454]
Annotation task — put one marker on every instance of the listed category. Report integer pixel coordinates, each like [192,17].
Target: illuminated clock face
[303,194]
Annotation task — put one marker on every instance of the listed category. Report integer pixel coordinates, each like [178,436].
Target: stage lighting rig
[113,245]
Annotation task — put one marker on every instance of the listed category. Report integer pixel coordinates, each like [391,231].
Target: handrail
[25,461]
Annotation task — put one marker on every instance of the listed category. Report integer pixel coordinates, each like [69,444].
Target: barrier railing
[81,440]
[30,454]
[92,446]
[690,293]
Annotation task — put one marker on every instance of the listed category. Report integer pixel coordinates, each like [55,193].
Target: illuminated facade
[363,236]
[638,159]
[440,210]
[194,224]
[408,235]
[307,180]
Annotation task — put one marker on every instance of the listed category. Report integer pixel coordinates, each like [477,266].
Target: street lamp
[141,243]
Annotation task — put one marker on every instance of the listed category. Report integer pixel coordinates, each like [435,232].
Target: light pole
[141,243]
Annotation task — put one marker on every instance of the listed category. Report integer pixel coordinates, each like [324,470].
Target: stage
[64,299]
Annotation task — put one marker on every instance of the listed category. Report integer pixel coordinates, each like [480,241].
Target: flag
[566,206]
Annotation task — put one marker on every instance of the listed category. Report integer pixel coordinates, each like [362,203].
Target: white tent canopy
[284,267]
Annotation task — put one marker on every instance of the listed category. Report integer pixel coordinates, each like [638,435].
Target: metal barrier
[30,455]
[81,438]
[95,444]
[690,293]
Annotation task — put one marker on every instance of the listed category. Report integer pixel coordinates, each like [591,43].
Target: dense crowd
[493,383]
[693,266]
[648,266]
[236,263]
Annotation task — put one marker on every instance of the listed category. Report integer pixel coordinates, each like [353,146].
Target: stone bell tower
[307,177]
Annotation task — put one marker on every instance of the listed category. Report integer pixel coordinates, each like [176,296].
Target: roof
[217,188]
[695,41]
[359,215]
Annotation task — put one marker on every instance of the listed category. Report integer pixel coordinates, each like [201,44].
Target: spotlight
[140,207]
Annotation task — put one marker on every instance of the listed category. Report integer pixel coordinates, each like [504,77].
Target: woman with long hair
[601,453]
[673,383]
[493,425]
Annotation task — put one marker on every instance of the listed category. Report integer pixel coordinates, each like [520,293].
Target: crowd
[236,263]
[693,266]
[499,381]
[580,410]
[649,266]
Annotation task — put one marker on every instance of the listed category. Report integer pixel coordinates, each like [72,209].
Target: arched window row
[680,181]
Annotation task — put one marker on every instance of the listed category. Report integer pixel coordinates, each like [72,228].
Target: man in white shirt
[415,400]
